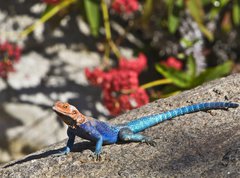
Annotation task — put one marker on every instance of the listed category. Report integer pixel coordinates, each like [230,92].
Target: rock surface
[204,144]
[51,68]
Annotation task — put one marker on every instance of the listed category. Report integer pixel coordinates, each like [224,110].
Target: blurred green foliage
[165,16]
[189,78]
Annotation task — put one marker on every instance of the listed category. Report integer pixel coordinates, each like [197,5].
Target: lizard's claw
[150,142]
[96,157]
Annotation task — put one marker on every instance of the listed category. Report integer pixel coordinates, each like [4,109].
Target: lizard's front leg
[126,134]
[70,142]
[95,136]
[98,148]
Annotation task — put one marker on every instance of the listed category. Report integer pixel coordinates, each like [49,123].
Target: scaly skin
[105,133]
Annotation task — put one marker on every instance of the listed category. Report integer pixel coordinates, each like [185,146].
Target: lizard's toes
[151,143]
[96,157]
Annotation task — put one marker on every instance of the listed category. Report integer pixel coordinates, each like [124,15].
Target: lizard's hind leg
[126,134]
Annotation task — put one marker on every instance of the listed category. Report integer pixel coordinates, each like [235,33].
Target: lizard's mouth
[65,118]
[62,113]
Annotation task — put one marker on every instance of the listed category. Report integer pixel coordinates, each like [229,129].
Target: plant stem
[106,20]
[47,16]
[170,94]
[147,11]
[156,83]
[107,27]
[114,49]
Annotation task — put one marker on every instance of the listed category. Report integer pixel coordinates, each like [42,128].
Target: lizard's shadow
[78,147]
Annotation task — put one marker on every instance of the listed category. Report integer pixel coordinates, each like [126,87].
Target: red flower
[117,80]
[121,91]
[51,2]
[119,103]
[173,62]
[5,68]
[114,79]
[95,77]
[111,103]
[125,6]
[120,86]
[9,54]
[140,97]
[125,102]
[133,100]
[11,51]
[136,65]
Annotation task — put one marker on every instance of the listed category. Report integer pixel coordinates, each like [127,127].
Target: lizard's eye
[65,106]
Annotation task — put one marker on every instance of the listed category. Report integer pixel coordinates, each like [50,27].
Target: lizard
[100,132]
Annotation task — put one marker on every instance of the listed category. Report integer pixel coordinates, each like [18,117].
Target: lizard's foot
[126,134]
[96,157]
[63,152]
[150,142]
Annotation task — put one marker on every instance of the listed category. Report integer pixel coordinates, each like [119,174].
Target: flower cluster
[121,91]
[51,2]
[173,63]
[125,6]
[134,65]
[9,54]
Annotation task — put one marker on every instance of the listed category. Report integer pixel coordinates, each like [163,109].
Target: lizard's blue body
[105,133]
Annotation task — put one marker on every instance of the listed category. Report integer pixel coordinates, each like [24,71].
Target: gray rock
[2,84]
[37,83]
[202,144]
[30,70]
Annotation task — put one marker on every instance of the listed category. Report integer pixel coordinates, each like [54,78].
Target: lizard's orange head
[69,114]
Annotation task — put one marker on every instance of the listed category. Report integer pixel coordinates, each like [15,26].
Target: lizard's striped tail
[148,121]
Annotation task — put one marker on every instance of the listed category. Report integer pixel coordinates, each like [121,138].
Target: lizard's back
[109,132]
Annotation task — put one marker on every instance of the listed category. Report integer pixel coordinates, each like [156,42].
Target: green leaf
[93,15]
[177,77]
[179,3]
[223,2]
[206,32]
[236,12]
[206,2]
[191,67]
[217,8]
[185,80]
[147,11]
[196,10]
[169,2]
[186,43]
[173,20]
[213,73]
